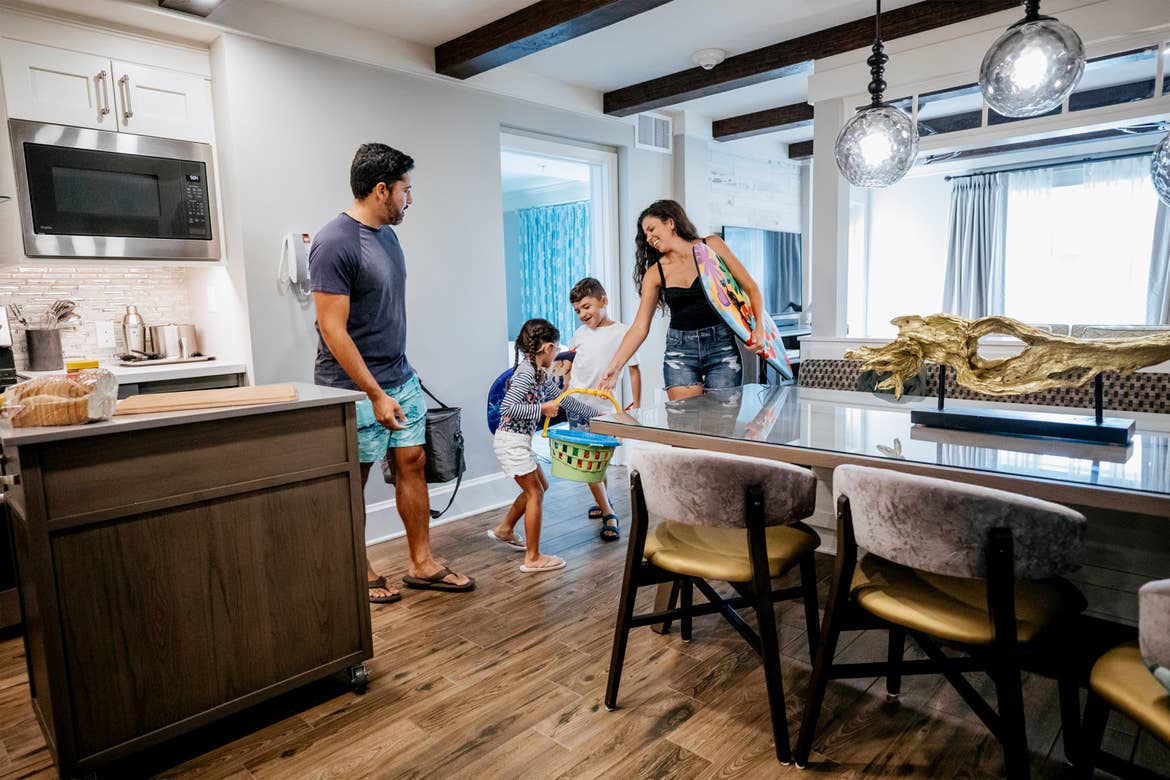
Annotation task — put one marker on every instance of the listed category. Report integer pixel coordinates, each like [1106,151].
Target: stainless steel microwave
[100,194]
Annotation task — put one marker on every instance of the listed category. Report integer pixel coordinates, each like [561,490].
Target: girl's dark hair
[646,255]
[534,334]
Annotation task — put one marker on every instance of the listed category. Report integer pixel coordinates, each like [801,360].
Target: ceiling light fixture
[708,58]
[1033,66]
[878,145]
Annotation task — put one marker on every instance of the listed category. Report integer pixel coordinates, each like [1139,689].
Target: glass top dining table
[826,428]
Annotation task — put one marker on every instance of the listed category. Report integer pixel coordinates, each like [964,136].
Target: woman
[701,350]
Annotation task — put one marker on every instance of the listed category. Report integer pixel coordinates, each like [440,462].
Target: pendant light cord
[877,61]
[1031,10]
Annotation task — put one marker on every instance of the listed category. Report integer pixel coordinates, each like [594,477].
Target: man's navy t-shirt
[367,264]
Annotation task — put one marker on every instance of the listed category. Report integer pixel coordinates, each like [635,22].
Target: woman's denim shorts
[707,357]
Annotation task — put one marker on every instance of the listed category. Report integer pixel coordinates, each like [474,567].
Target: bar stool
[950,564]
[707,534]
[1134,679]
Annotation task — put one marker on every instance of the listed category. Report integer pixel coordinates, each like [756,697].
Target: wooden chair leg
[897,648]
[812,614]
[1070,714]
[665,598]
[688,599]
[1014,736]
[621,635]
[830,631]
[1096,716]
[773,679]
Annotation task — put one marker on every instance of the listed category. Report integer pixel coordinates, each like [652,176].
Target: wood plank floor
[508,682]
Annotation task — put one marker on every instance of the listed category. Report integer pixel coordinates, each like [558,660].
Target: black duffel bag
[443,447]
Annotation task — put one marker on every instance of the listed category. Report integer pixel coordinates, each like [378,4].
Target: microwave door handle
[127,109]
[103,96]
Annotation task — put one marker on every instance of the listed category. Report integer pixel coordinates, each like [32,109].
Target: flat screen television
[772,257]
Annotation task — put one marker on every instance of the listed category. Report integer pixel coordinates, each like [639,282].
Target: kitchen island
[177,567]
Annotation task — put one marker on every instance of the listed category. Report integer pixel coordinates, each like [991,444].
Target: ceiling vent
[655,132]
[196,7]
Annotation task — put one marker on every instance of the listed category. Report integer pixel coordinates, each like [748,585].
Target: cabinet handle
[127,109]
[103,96]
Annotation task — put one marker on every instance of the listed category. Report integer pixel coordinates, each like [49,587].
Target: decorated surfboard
[560,371]
[731,303]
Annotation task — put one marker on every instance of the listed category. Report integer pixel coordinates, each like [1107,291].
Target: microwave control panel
[195,199]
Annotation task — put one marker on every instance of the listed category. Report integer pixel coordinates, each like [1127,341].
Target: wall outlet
[105,334]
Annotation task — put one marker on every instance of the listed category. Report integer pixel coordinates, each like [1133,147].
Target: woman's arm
[636,385]
[748,285]
[635,335]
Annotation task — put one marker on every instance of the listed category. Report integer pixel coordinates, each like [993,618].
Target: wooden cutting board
[206,399]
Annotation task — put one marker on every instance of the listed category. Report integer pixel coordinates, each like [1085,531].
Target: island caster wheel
[359,678]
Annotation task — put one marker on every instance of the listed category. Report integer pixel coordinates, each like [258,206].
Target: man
[358,274]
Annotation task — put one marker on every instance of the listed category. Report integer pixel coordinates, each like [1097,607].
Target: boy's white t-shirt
[595,348]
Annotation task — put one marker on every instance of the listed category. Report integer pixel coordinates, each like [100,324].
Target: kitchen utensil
[133,330]
[206,399]
[18,313]
[69,319]
[174,341]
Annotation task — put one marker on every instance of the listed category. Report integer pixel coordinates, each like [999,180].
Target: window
[1076,246]
[1078,242]
[772,258]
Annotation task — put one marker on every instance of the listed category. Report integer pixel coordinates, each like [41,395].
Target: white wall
[292,121]
[907,252]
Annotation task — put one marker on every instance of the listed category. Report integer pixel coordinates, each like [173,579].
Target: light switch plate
[105,334]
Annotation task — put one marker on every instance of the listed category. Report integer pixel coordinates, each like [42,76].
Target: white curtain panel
[1158,304]
[975,245]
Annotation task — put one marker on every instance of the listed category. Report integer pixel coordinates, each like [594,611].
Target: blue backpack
[560,370]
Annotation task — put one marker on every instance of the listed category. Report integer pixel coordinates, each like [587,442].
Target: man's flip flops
[380,584]
[436,582]
[516,543]
[558,563]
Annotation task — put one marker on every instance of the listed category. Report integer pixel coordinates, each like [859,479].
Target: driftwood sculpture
[1047,360]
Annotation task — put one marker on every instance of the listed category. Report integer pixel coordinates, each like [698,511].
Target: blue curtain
[555,252]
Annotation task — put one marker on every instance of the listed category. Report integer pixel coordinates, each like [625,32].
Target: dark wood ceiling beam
[795,55]
[530,30]
[800,151]
[767,121]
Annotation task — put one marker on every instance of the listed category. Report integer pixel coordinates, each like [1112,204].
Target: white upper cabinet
[46,84]
[59,86]
[165,103]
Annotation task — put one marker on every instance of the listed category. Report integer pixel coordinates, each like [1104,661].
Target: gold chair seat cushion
[1122,679]
[722,553]
[955,608]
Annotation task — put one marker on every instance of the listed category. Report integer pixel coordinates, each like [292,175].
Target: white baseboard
[481,494]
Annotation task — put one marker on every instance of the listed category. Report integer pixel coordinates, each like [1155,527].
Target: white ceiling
[524,171]
[652,44]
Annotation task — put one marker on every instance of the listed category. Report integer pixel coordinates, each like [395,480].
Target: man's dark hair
[374,163]
[586,288]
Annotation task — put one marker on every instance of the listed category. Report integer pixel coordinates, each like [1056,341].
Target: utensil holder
[44,349]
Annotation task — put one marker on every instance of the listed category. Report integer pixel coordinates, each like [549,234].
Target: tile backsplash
[101,293]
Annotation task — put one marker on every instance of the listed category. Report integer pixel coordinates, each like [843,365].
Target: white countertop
[307,396]
[156,373]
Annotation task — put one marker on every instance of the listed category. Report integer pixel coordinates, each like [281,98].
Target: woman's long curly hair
[646,255]
[533,335]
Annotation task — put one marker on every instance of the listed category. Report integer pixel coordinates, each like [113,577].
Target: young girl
[701,350]
[530,397]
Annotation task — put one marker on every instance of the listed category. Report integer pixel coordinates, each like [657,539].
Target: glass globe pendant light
[1033,66]
[1160,170]
[878,144]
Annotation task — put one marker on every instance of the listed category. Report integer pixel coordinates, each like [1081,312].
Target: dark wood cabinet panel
[174,575]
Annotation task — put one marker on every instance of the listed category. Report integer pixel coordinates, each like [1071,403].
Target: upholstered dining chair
[721,518]
[1134,679]
[952,565]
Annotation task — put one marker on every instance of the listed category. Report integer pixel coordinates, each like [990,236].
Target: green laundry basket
[580,456]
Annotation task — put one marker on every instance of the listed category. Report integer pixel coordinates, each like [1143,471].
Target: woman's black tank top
[689,309]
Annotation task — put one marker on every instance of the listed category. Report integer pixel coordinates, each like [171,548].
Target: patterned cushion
[1154,629]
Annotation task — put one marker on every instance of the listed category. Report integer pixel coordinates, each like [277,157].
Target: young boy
[596,343]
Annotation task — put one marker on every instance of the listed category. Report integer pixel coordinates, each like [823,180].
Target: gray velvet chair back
[1154,624]
[941,526]
[707,488]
